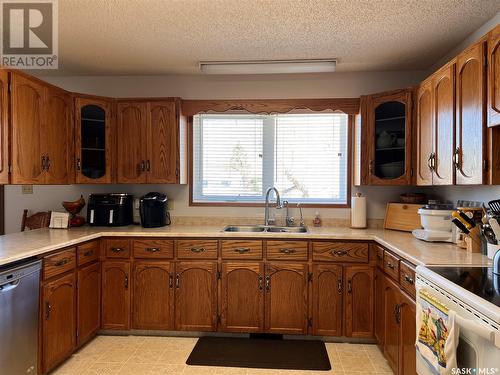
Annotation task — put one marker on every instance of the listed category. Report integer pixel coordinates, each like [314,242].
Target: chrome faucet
[496,263]
[268,221]
[289,220]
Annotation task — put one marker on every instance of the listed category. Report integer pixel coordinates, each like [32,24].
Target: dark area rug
[260,353]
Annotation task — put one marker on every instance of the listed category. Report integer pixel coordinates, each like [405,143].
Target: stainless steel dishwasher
[19,289]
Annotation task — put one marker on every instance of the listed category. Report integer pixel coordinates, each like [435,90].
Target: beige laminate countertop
[19,246]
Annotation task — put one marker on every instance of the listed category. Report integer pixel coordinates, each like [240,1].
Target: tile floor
[145,355]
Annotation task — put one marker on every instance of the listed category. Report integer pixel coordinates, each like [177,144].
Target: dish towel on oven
[437,334]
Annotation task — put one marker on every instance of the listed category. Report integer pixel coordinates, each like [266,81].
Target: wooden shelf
[93,120]
[391,118]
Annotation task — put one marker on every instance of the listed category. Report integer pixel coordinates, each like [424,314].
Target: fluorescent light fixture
[268,66]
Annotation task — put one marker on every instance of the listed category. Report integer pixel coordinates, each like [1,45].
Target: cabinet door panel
[153,298]
[131,142]
[163,143]
[115,295]
[58,139]
[359,301]
[494,77]
[27,132]
[58,327]
[391,344]
[242,304]
[196,296]
[407,358]
[470,132]
[4,127]
[443,88]
[379,307]
[89,302]
[327,300]
[425,139]
[286,298]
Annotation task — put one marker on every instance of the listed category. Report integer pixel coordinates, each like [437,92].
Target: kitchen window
[237,157]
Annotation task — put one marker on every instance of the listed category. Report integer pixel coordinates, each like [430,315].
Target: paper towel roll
[358,211]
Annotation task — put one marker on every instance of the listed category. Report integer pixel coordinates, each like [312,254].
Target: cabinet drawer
[87,252]
[118,248]
[344,252]
[156,249]
[407,278]
[58,263]
[391,265]
[277,250]
[197,249]
[379,255]
[240,249]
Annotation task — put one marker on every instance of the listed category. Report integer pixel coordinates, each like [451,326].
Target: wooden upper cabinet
[131,130]
[242,302]
[494,77]
[94,140]
[58,137]
[443,97]
[88,302]
[163,140]
[327,284]
[389,138]
[286,298]
[470,152]
[4,127]
[196,296]
[58,321]
[424,136]
[116,295]
[27,117]
[358,301]
[153,302]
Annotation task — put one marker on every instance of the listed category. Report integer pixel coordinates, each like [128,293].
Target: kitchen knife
[457,216]
[460,226]
[467,218]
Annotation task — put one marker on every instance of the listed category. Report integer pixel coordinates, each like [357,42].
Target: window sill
[257,204]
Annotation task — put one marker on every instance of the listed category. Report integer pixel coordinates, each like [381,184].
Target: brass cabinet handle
[260,279]
[47,162]
[339,286]
[397,313]
[170,280]
[126,281]
[177,281]
[78,164]
[152,249]
[117,249]
[88,253]
[48,308]
[287,251]
[197,249]
[142,166]
[242,250]
[371,167]
[390,265]
[456,158]
[349,286]
[148,165]
[43,162]
[429,162]
[268,283]
[409,279]
[62,262]
[339,253]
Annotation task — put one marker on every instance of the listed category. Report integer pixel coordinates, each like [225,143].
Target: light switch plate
[27,189]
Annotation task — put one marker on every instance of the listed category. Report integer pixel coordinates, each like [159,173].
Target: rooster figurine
[74,208]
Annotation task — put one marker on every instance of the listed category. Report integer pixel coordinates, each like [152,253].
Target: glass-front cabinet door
[93,141]
[390,138]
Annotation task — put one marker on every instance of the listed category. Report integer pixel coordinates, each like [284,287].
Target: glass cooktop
[478,280]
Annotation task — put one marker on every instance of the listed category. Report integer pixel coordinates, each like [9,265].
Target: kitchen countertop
[23,245]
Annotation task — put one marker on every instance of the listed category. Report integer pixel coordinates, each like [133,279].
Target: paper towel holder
[358,221]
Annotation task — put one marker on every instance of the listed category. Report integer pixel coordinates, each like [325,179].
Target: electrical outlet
[170,205]
[27,189]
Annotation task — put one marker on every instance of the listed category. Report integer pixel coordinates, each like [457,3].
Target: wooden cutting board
[402,216]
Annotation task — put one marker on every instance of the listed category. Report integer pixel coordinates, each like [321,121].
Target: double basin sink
[264,229]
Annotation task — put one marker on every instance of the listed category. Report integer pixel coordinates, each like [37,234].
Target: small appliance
[436,220]
[111,210]
[154,210]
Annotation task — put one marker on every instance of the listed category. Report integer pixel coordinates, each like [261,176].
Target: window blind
[237,157]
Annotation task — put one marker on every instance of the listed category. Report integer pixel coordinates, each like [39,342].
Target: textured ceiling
[149,37]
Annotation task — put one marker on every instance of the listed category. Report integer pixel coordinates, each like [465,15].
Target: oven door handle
[488,334]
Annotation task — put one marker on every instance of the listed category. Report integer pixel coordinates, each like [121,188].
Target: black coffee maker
[153,208]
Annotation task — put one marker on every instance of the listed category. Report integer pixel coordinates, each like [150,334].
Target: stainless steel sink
[263,228]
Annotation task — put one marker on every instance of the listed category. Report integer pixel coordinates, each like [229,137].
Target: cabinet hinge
[485,164]
[309,322]
[310,277]
[10,168]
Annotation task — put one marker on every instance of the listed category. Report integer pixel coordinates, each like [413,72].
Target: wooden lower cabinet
[286,298]
[88,302]
[391,327]
[153,295]
[327,300]
[196,296]
[358,299]
[242,297]
[58,320]
[378,329]
[116,295]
